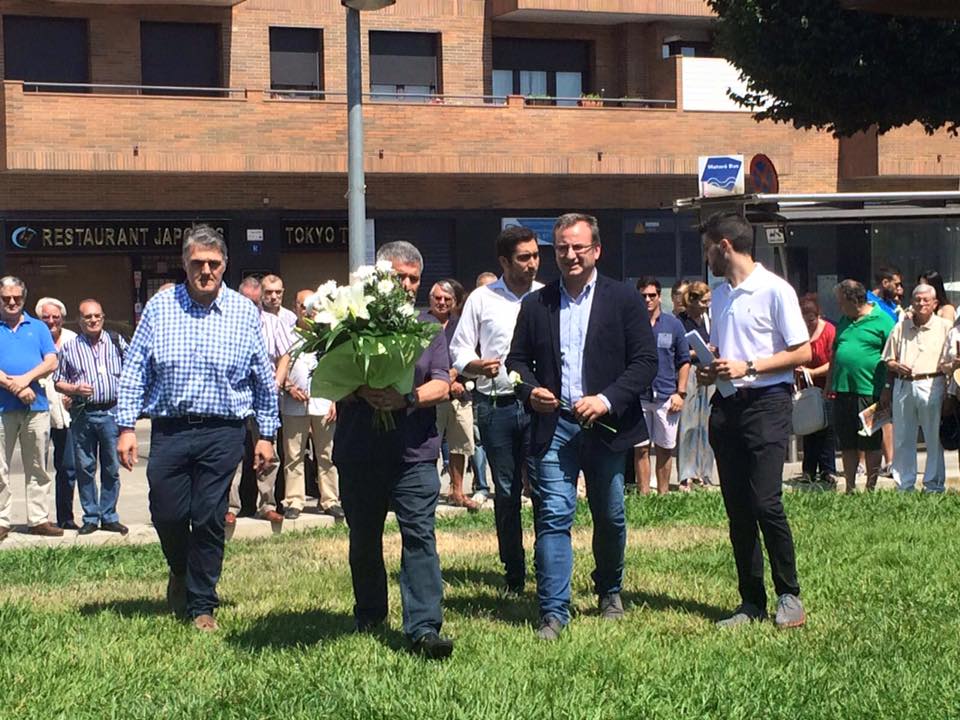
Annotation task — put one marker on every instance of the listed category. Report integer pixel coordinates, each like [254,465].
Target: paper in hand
[706,356]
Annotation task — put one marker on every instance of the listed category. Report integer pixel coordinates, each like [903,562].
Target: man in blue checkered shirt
[198,367]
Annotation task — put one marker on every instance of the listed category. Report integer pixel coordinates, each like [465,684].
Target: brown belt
[921,376]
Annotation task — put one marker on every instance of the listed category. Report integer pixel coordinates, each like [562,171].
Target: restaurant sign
[315,235]
[93,236]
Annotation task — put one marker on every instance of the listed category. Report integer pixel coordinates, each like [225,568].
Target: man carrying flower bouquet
[584,354]
[396,469]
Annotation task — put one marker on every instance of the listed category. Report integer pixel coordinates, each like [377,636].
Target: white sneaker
[479,497]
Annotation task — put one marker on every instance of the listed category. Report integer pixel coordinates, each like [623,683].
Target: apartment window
[180,55]
[404,65]
[296,61]
[541,68]
[46,50]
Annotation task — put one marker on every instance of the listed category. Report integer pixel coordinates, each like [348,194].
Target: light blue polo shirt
[21,350]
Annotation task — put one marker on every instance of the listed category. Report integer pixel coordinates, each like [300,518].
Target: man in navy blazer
[585,353]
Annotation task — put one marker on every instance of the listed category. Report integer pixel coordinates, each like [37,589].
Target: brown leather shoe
[230,519]
[46,529]
[273,516]
[4,531]
[205,623]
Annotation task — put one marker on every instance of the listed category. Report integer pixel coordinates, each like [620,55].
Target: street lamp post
[356,186]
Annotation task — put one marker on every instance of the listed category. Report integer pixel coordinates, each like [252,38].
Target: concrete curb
[246,528]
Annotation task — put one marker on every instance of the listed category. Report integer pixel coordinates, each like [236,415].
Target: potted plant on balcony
[591,100]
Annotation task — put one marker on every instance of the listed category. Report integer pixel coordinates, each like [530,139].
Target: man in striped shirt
[89,373]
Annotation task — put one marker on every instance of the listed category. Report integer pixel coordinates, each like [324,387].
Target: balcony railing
[120,128]
[117,89]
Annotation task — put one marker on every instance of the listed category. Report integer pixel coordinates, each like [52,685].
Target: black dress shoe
[291,514]
[87,529]
[115,527]
[432,646]
[69,525]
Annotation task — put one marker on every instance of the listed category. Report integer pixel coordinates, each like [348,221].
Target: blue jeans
[95,434]
[553,482]
[504,432]
[368,490]
[189,474]
[479,459]
[64,460]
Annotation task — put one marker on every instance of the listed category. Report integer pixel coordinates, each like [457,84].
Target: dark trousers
[749,433]
[64,460]
[368,490]
[504,433]
[189,475]
[820,452]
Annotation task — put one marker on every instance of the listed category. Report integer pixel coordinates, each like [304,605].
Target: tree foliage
[841,70]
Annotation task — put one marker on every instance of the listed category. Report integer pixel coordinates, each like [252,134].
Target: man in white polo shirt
[760,337]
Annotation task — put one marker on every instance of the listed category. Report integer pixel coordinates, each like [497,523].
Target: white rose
[361,274]
[384,266]
[385,286]
[407,310]
[515,378]
[328,288]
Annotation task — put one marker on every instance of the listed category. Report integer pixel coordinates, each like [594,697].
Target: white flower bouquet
[364,333]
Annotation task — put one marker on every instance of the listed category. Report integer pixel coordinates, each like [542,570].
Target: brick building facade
[82,165]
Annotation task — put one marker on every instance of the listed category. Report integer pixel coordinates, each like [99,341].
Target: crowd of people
[582,379]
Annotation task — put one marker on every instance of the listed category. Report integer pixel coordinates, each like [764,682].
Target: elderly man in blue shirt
[27,354]
[198,367]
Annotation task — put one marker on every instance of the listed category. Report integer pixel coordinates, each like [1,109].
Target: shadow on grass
[662,601]
[280,630]
[472,576]
[132,607]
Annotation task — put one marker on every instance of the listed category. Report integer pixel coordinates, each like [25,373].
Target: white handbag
[809,408]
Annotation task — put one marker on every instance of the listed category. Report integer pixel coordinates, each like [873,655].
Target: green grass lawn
[84,633]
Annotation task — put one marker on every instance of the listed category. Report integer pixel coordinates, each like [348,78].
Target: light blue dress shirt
[189,359]
[574,320]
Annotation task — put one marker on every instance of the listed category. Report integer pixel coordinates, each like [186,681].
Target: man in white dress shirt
[487,322]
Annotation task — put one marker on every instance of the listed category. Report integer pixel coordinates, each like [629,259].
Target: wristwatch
[751,370]
[411,398]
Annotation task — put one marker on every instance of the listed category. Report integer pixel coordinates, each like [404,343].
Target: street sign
[721,175]
[763,175]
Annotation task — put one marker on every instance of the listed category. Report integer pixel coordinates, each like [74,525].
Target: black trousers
[189,474]
[748,434]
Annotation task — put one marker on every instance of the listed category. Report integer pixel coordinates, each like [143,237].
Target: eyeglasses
[650,295]
[12,299]
[92,316]
[199,264]
[578,250]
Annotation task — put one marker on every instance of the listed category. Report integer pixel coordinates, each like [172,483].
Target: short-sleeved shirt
[821,350]
[858,353]
[888,307]
[918,347]
[21,350]
[415,437]
[757,319]
[673,352]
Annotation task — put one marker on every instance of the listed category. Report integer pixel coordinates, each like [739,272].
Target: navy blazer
[619,362]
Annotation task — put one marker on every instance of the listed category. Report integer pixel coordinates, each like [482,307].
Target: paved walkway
[134,512]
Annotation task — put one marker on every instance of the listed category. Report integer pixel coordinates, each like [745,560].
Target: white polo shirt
[757,319]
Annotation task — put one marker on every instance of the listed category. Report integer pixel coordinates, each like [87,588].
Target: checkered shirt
[187,359]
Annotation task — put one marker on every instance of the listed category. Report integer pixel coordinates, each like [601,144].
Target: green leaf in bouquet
[338,373]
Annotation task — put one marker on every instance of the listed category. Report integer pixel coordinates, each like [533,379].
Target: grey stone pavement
[134,512]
